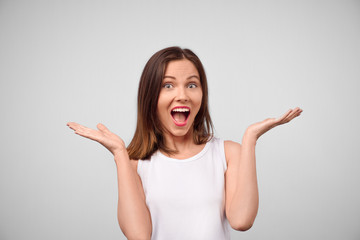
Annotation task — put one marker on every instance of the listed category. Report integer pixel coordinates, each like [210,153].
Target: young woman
[175,179]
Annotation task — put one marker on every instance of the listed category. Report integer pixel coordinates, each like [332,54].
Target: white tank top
[186,198]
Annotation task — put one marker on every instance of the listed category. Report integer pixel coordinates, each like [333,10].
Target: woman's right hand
[108,139]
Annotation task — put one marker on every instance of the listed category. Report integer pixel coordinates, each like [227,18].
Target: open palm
[108,139]
[262,127]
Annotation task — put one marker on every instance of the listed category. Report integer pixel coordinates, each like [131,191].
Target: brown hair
[148,134]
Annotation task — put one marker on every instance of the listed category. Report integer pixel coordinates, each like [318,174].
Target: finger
[88,132]
[102,127]
[85,131]
[297,114]
[77,127]
[88,135]
[297,111]
[73,125]
[280,119]
[291,114]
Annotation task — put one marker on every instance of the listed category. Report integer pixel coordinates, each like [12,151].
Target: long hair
[148,134]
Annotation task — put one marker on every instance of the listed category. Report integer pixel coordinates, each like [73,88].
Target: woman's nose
[181,94]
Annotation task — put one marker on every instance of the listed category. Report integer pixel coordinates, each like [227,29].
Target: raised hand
[103,136]
[258,129]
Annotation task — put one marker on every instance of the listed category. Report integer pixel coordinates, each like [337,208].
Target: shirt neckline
[193,158]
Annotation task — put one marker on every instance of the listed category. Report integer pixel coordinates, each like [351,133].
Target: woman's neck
[179,143]
[183,145]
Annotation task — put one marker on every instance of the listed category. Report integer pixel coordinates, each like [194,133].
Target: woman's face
[180,98]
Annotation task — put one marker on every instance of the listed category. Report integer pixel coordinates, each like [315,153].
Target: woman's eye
[167,85]
[192,85]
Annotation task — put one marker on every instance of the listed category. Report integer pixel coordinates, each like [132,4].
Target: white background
[81,61]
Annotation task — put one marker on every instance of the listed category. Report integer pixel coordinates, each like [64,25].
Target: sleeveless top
[186,198]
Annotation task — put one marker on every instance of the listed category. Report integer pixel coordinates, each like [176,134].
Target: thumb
[102,127]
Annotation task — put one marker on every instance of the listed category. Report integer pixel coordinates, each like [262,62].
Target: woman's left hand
[258,129]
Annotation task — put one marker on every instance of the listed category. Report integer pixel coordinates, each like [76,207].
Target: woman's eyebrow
[192,76]
[169,77]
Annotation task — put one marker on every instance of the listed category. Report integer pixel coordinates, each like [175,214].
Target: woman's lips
[180,115]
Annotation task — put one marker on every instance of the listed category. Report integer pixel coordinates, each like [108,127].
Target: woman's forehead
[181,67]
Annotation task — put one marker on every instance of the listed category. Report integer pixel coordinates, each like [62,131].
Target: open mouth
[180,115]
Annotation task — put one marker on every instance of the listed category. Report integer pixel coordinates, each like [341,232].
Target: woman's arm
[133,214]
[242,197]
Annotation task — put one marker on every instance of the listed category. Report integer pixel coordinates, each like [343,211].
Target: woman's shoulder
[231,149]
[229,146]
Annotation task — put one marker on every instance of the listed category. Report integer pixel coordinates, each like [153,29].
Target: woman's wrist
[121,155]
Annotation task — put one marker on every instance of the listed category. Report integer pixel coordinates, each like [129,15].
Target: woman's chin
[179,132]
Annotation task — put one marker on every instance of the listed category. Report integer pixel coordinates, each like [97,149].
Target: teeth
[181,110]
